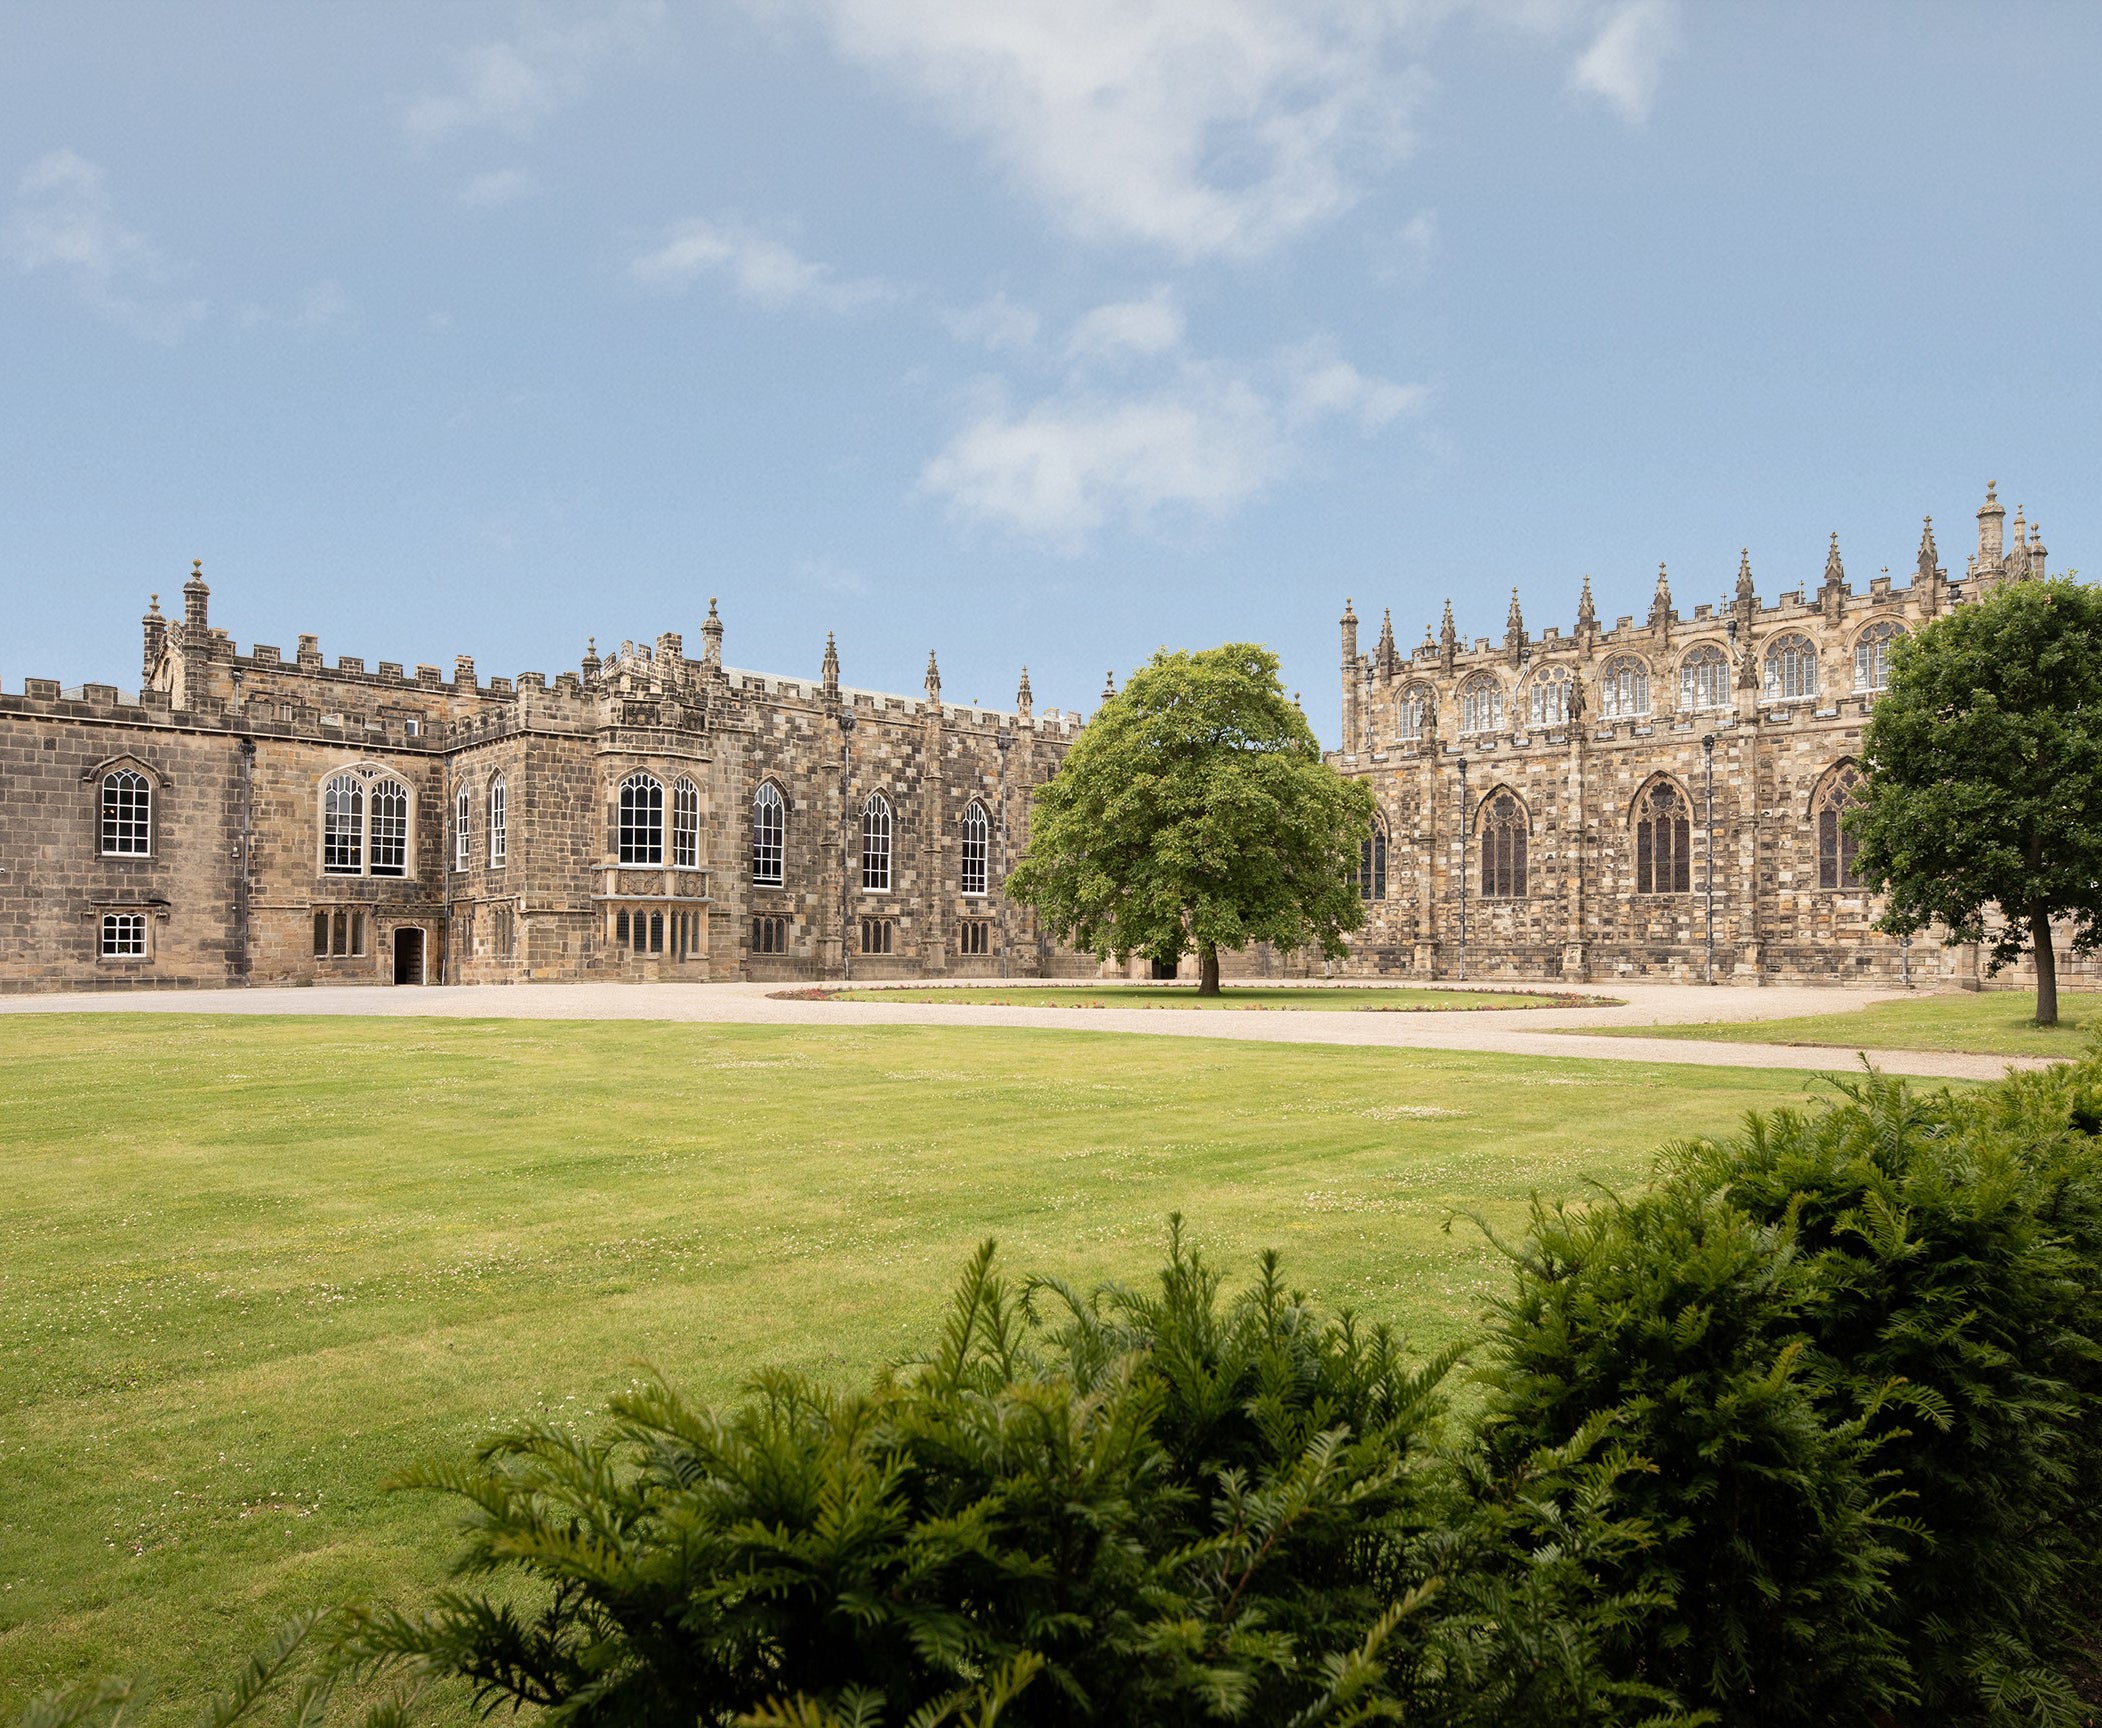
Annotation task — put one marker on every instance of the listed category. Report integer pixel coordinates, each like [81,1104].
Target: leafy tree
[1984,786]
[1195,812]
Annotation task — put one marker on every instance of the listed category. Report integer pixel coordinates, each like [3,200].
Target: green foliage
[1195,812]
[1984,762]
[1955,1256]
[1672,1322]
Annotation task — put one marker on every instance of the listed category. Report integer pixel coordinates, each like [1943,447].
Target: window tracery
[641,835]
[977,849]
[1372,863]
[1481,704]
[875,845]
[127,814]
[1872,655]
[685,825]
[364,823]
[769,836]
[1839,793]
[1663,841]
[1548,698]
[1504,827]
[1791,670]
[1623,689]
[1704,678]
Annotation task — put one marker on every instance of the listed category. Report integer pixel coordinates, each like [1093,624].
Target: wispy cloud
[513,84]
[1197,435]
[762,270]
[1625,61]
[1204,126]
[1129,327]
[498,187]
[63,222]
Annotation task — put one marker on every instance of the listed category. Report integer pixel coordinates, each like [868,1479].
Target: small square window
[124,935]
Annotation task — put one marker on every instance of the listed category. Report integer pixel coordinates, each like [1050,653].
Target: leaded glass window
[685,825]
[641,833]
[127,815]
[875,845]
[1663,842]
[977,848]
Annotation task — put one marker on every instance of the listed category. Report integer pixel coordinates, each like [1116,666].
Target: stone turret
[1992,517]
[1514,630]
[196,601]
[1109,684]
[1660,604]
[1929,578]
[590,664]
[1388,661]
[1349,626]
[155,629]
[1832,592]
[712,638]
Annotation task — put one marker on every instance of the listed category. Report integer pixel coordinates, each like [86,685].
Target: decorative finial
[153,602]
[1023,697]
[1109,684]
[934,678]
[1587,613]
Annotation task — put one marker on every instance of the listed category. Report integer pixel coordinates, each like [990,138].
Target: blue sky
[1046,331]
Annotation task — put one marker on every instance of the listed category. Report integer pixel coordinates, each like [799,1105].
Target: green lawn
[1989,1022]
[248,1267]
[1398,1000]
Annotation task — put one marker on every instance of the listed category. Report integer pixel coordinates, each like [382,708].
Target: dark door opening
[408,955]
[1164,969]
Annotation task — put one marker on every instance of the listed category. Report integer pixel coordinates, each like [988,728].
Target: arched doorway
[408,954]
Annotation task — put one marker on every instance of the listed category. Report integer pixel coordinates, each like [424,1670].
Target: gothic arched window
[642,819]
[499,837]
[1663,841]
[463,828]
[1481,704]
[364,823]
[769,835]
[1503,848]
[1411,712]
[1704,678]
[875,844]
[1623,689]
[127,815]
[976,870]
[1835,846]
[1791,670]
[1872,655]
[685,825]
[1548,699]
[1372,863]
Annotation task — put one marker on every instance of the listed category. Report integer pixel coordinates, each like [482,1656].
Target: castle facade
[248,818]
[1657,799]
[1660,798]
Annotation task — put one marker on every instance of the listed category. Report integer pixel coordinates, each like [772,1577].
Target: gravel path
[1512,1032]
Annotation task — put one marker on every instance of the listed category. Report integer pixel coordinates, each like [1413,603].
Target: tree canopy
[1984,787]
[1194,812]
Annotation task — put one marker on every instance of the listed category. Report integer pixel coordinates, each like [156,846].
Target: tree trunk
[1207,969]
[2046,968]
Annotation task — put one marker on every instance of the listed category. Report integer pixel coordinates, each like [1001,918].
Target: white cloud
[996,324]
[498,187]
[1625,61]
[511,86]
[324,303]
[63,222]
[1207,438]
[762,270]
[1204,126]
[1150,326]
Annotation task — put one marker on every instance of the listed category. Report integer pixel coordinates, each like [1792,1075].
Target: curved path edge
[1555,1034]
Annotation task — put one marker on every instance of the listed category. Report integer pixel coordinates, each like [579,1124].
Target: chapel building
[1660,799]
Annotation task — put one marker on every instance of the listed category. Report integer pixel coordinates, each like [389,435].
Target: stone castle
[1657,799]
